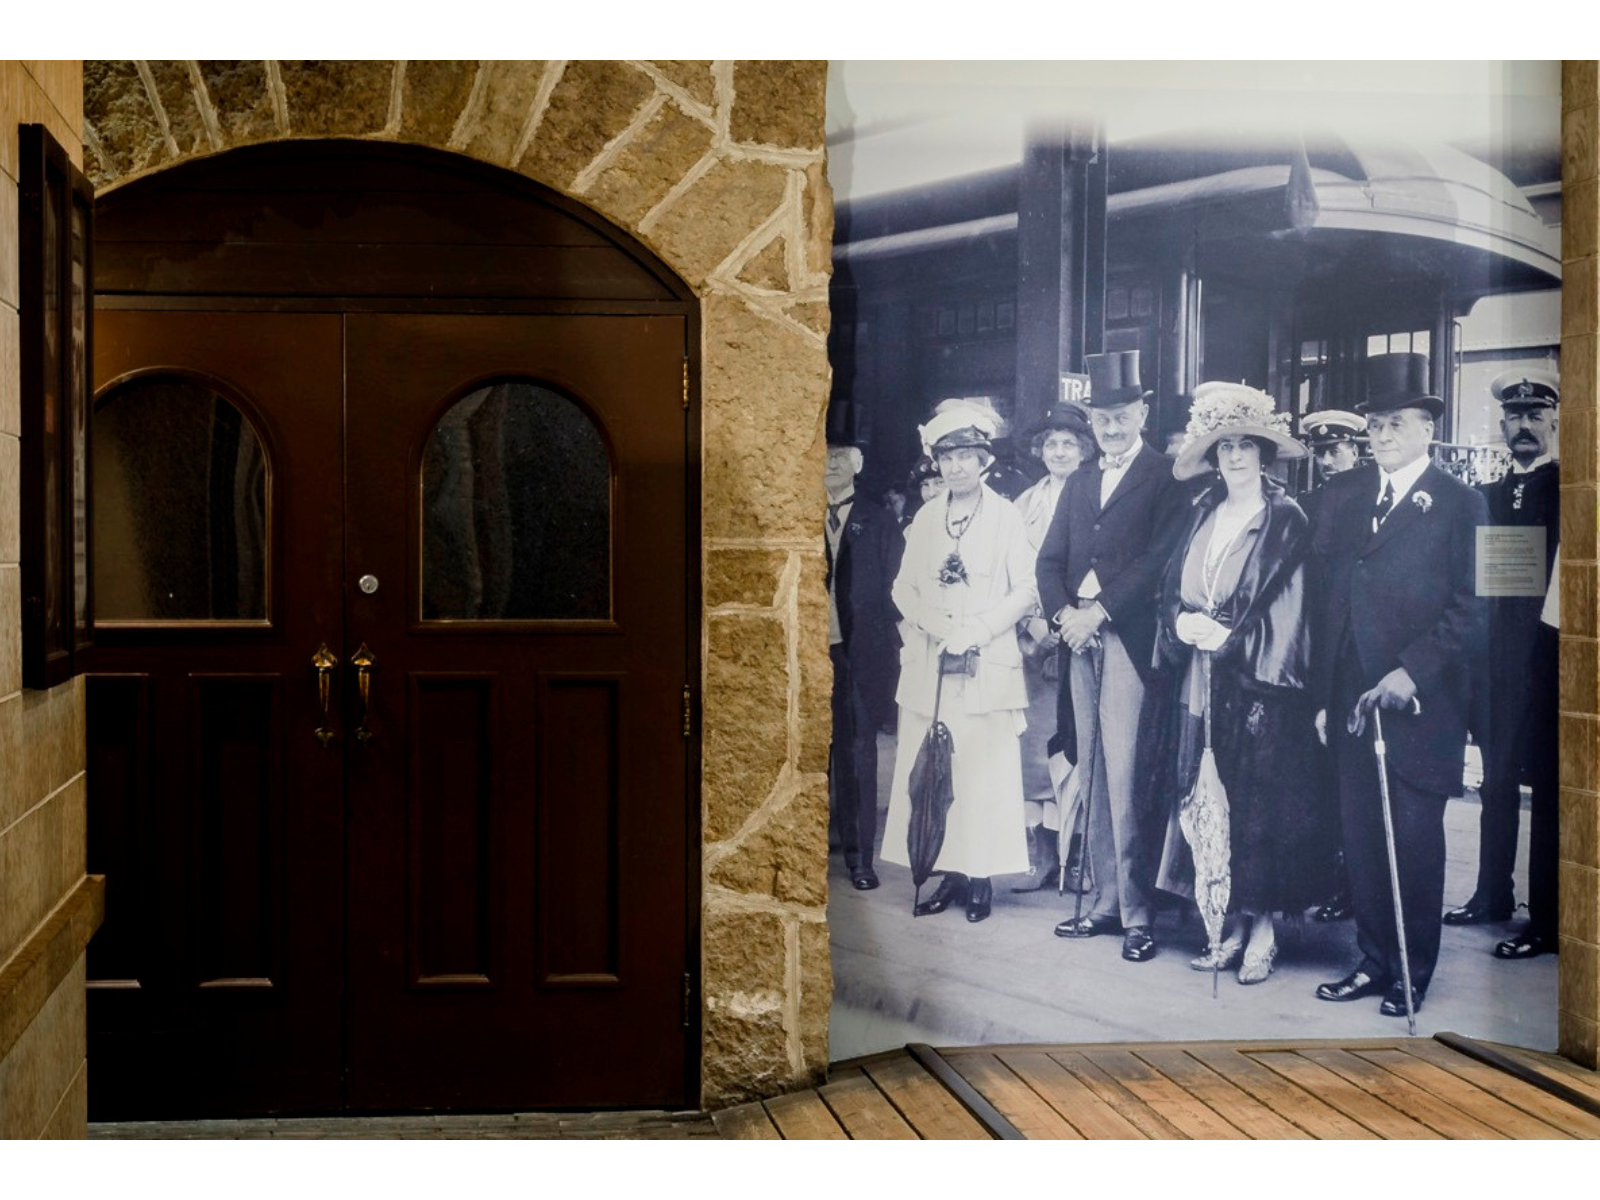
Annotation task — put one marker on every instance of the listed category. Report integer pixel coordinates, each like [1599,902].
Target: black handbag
[958,664]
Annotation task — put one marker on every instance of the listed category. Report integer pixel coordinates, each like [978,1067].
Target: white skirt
[985,833]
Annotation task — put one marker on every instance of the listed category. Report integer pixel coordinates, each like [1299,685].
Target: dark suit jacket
[870,547]
[1126,545]
[1406,597]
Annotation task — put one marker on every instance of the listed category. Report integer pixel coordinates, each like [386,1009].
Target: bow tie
[1115,462]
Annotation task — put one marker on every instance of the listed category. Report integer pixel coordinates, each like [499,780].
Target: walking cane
[1394,866]
[1084,866]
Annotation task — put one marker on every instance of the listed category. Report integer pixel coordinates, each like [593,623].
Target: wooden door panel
[214,812]
[571,732]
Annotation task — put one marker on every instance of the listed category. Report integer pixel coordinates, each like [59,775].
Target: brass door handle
[323,662]
[363,661]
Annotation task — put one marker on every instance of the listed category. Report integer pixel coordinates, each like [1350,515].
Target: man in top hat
[863,544]
[1399,628]
[1519,730]
[1107,543]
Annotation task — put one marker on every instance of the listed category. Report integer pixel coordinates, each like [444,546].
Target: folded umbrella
[932,793]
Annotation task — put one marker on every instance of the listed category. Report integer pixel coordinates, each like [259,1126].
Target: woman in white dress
[964,583]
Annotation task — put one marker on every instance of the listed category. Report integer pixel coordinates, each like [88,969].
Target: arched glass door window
[182,494]
[516,509]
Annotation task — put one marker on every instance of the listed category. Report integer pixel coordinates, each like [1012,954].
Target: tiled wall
[1580,651]
[42,829]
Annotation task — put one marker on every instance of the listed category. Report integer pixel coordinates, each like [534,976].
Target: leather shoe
[1480,910]
[952,889]
[1525,945]
[1090,926]
[1138,944]
[1352,987]
[863,879]
[979,895]
[1394,1004]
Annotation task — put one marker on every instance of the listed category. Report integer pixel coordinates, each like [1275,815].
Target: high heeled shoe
[952,889]
[979,895]
[1225,958]
[1255,968]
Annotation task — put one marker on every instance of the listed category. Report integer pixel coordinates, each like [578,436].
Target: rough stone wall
[42,830]
[718,167]
[1579,1016]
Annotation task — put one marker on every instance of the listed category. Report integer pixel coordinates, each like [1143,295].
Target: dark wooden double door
[471,888]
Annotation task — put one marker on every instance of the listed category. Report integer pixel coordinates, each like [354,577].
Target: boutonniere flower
[855,526]
[1422,500]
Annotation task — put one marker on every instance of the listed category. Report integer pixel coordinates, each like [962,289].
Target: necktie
[833,512]
[1385,503]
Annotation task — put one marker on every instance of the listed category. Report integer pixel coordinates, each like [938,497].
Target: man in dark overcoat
[1518,729]
[1400,628]
[1113,530]
[863,544]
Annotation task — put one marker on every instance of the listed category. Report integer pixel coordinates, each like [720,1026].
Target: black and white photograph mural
[1192,532]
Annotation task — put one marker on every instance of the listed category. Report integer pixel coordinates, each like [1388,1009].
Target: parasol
[1072,803]
[932,793]
[1203,816]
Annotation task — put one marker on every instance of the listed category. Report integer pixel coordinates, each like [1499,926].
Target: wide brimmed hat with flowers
[957,425]
[1231,410]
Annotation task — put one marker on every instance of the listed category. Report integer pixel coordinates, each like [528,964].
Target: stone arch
[718,168]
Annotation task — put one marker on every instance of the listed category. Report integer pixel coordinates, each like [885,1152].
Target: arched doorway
[389,771]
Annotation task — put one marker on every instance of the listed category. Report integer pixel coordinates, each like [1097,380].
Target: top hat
[1396,381]
[1065,416]
[1114,378]
[1330,426]
[1522,388]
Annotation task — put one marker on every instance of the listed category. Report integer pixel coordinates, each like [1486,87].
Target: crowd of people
[1097,636]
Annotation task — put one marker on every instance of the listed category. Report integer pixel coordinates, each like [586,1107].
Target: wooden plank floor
[1399,1088]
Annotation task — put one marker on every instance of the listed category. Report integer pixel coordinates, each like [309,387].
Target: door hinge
[688,712]
[688,1000]
[686,385]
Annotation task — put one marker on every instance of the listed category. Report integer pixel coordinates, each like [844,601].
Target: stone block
[813,314]
[816,202]
[1580,904]
[508,92]
[786,856]
[1578,990]
[650,165]
[1577,446]
[746,1042]
[1578,524]
[1580,213]
[70,1121]
[432,95]
[1578,821]
[337,97]
[705,224]
[13,82]
[175,90]
[765,390]
[241,95]
[1578,752]
[10,643]
[743,576]
[10,497]
[1577,670]
[816,667]
[816,995]
[36,855]
[1579,146]
[779,102]
[14,799]
[1577,598]
[593,103]
[10,277]
[1577,1040]
[39,1071]
[693,76]
[10,369]
[1578,83]
[118,107]
[1578,361]
[746,717]
[1578,294]
[768,268]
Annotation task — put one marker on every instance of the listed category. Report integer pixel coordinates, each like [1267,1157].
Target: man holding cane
[1400,628]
